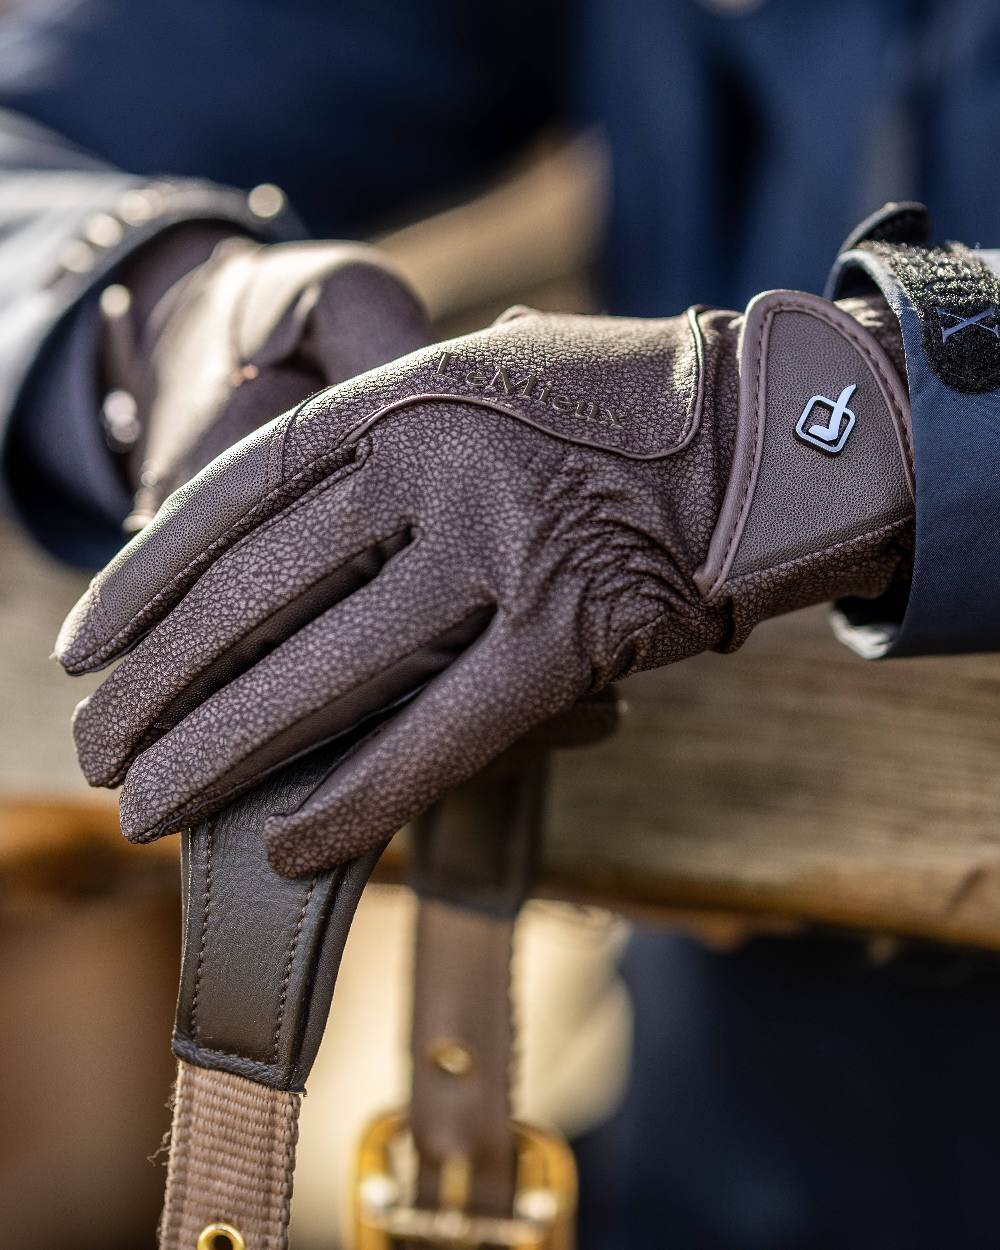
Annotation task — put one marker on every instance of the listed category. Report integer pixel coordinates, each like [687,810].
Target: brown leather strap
[232,1154]
[462,1039]
[261,951]
[474,855]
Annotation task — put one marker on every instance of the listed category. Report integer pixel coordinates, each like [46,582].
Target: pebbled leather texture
[260,951]
[482,532]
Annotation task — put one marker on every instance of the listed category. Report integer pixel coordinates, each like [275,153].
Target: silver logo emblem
[964,323]
[832,435]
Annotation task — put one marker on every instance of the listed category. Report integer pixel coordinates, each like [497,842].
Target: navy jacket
[746,137]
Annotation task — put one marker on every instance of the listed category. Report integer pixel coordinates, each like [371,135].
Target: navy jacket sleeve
[66,223]
[362,112]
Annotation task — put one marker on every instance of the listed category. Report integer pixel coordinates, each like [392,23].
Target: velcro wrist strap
[947,301]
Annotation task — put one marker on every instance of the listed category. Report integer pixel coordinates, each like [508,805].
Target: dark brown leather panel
[473,863]
[260,951]
[461,1002]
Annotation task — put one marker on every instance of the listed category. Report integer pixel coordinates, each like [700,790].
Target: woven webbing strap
[232,1155]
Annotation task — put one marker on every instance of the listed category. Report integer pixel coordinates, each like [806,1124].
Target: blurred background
[760,994]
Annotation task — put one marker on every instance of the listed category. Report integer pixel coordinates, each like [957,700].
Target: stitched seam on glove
[478,401]
[740,514]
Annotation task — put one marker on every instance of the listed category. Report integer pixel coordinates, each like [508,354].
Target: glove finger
[462,720]
[249,602]
[361,314]
[350,664]
[236,493]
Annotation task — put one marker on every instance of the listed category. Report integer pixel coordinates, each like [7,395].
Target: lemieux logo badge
[832,434]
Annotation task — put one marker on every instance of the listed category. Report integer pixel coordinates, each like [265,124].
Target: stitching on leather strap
[215,1059]
[206,903]
[292,948]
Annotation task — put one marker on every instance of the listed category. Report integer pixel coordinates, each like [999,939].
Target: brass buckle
[386,1217]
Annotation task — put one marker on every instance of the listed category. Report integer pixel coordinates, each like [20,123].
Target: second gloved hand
[430,559]
[240,338]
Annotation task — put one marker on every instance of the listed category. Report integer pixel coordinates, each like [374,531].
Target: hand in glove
[242,337]
[430,559]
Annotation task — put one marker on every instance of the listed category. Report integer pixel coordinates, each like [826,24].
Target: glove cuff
[819,501]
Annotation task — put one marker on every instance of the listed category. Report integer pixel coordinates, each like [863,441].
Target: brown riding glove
[428,560]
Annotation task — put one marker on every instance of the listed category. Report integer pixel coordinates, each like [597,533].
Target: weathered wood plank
[796,778]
